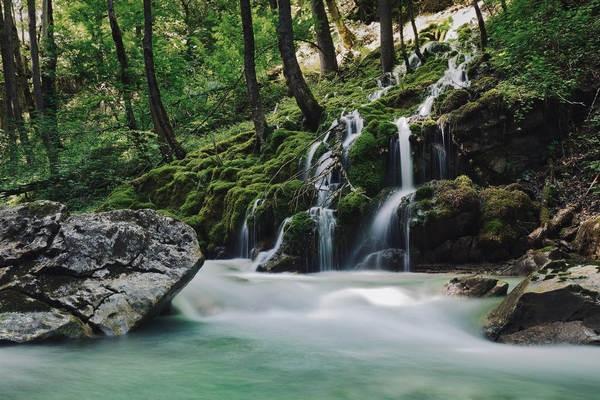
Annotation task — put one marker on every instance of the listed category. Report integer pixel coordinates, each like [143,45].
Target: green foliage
[549,47]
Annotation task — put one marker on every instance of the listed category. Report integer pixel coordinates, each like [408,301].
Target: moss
[512,205]
[367,166]
[451,100]
[424,192]
[352,206]
[299,235]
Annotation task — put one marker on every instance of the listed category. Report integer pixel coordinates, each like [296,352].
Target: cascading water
[384,229]
[455,76]
[354,126]
[440,151]
[326,184]
[247,235]
[264,256]
[387,81]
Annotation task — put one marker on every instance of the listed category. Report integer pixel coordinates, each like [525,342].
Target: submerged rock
[476,286]
[558,304]
[77,276]
[388,260]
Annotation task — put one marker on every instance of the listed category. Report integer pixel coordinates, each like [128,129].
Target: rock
[476,286]
[78,276]
[558,304]
[552,228]
[587,241]
[530,262]
[388,260]
[435,47]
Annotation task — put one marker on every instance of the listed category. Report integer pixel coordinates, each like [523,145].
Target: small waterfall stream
[247,235]
[265,256]
[326,183]
[385,232]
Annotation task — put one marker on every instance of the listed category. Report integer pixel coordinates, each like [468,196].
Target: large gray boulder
[558,304]
[78,276]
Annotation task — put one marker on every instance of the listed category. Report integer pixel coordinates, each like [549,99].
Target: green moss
[352,206]
[367,164]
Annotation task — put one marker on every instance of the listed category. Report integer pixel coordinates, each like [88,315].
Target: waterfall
[326,183]
[265,256]
[406,163]
[247,235]
[326,222]
[455,76]
[385,83]
[354,126]
[440,151]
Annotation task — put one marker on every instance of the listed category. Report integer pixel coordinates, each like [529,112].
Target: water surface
[363,335]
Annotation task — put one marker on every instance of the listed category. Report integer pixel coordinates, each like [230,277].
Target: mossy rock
[451,100]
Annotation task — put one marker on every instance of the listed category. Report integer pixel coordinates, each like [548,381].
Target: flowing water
[265,256]
[248,233]
[344,336]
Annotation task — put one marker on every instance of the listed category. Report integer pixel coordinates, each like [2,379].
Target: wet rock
[476,286]
[78,276]
[388,260]
[587,241]
[558,304]
[530,262]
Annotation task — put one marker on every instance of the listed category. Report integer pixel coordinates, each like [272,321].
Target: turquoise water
[241,335]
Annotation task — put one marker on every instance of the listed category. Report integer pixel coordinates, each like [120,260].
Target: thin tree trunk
[258,114]
[327,55]
[481,22]
[346,36]
[402,44]
[38,97]
[22,73]
[386,35]
[411,15]
[48,78]
[8,118]
[124,75]
[11,80]
[169,145]
[311,109]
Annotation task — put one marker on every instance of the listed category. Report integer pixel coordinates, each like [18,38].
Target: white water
[322,213]
[326,223]
[247,236]
[354,127]
[383,228]
[332,336]
[265,256]
[455,76]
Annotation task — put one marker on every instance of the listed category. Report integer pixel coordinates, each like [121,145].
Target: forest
[291,199]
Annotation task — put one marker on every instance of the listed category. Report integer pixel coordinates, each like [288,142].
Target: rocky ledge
[476,286]
[84,275]
[558,304]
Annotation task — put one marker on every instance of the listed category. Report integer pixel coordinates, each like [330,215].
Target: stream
[237,334]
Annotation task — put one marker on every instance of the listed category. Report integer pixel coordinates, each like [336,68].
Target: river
[340,335]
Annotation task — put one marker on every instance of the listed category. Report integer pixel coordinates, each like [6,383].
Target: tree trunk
[311,109]
[48,78]
[169,145]
[346,36]
[22,75]
[124,75]
[386,35]
[258,114]
[411,15]
[327,55]
[15,120]
[9,127]
[38,97]
[481,22]
[402,44]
